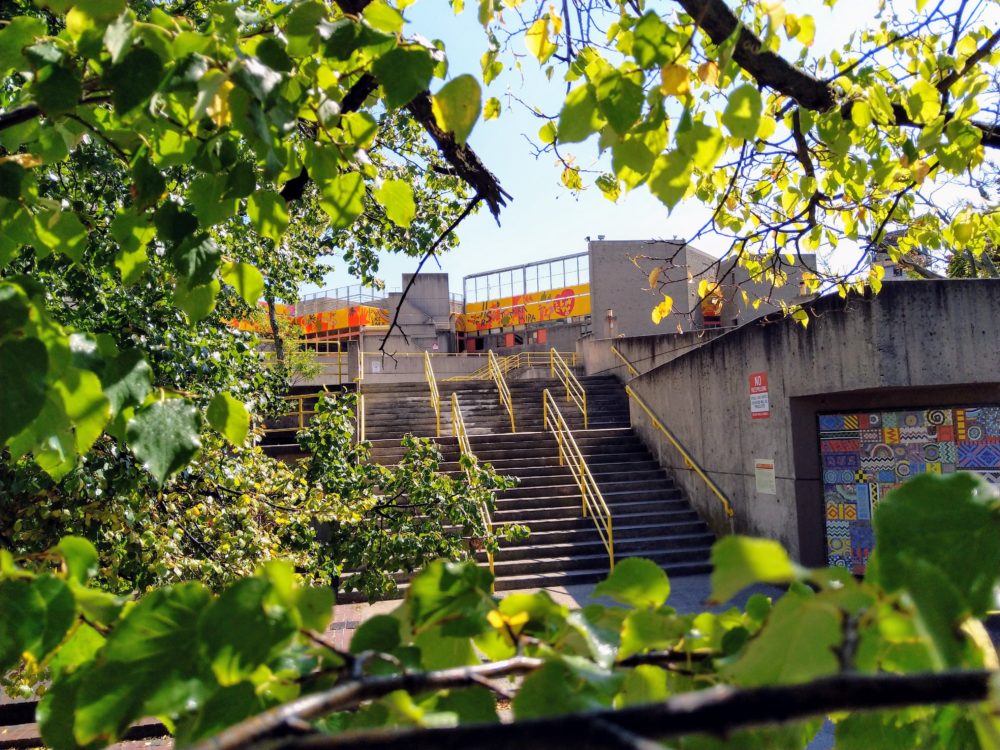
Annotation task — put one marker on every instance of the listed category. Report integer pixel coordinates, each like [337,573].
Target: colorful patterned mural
[522,309]
[330,321]
[866,454]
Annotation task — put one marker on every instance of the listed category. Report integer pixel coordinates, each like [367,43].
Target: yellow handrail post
[465,449]
[496,372]
[435,395]
[360,423]
[574,389]
[592,502]
[688,458]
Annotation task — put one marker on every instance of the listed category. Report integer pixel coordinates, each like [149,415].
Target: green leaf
[636,581]
[922,101]
[268,214]
[396,197]
[457,105]
[197,258]
[134,79]
[447,588]
[632,161]
[797,644]
[22,621]
[127,380]
[164,436]
[742,114]
[86,406]
[670,177]
[438,651]
[644,684]
[647,630]
[225,708]
[739,561]
[492,108]
[557,688]
[80,557]
[578,118]
[473,705]
[379,633]
[704,144]
[245,279]
[150,646]
[620,98]
[229,417]
[62,232]
[14,37]
[949,522]
[403,72]
[79,648]
[60,613]
[342,198]
[383,17]
[149,184]
[236,652]
[197,302]
[649,40]
[57,90]
[24,364]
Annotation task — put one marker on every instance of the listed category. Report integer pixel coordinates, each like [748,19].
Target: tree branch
[716,19]
[716,711]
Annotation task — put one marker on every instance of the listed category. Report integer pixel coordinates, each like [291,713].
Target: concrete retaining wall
[917,343]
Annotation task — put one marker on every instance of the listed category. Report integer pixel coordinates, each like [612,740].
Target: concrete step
[580,546]
[591,561]
[592,575]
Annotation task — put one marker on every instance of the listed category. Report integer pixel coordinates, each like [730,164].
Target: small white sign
[376,366]
[763,472]
[760,402]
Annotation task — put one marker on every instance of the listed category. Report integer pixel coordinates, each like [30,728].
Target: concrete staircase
[651,517]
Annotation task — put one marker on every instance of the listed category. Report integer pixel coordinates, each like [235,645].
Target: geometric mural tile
[973,455]
[866,455]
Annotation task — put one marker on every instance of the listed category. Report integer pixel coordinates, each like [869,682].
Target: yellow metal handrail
[496,372]
[435,396]
[591,498]
[465,449]
[360,432]
[688,460]
[574,390]
[514,362]
[631,368]
[300,411]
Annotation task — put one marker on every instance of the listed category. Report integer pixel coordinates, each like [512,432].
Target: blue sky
[544,219]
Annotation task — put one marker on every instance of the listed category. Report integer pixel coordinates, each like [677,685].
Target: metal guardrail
[360,423]
[298,411]
[465,449]
[688,459]
[497,373]
[513,362]
[631,368]
[569,453]
[435,395]
[575,392]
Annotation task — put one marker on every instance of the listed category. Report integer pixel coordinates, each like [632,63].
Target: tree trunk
[272,319]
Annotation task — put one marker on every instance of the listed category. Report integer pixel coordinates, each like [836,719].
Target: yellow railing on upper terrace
[435,395]
[299,411]
[465,449]
[575,392]
[569,453]
[514,362]
[497,373]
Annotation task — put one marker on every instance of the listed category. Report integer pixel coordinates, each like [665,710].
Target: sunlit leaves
[268,214]
[662,310]
[342,198]
[229,417]
[245,279]
[404,72]
[635,581]
[457,105]
[670,177]
[738,562]
[742,113]
[538,40]
[135,78]
[674,80]
[396,197]
[164,436]
[619,99]
[579,117]
[922,101]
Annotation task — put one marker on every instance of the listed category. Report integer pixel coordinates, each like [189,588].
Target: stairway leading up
[651,517]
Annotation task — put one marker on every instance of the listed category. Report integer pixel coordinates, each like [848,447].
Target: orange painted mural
[331,320]
[523,309]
